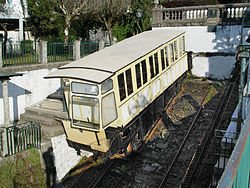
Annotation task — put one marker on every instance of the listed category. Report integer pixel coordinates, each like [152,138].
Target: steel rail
[197,155]
[212,128]
[184,140]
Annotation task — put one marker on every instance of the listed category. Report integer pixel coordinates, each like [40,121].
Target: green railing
[22,136]
[88,48]
[59,51]
[19,53]
[237,172]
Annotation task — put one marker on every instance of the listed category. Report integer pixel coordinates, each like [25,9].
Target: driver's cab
[90,106]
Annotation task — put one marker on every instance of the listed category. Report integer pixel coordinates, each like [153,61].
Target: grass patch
[211,93]
[23,171]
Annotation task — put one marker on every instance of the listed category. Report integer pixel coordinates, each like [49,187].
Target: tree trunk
[109,28]
[4,26]
[66,30]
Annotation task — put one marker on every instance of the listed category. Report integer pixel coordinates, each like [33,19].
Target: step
[47,108]
[49,127]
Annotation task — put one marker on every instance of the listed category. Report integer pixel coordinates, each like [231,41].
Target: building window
[156,63]
[144,71]
[121,84]
[138,75]
[129,81]
[151,66]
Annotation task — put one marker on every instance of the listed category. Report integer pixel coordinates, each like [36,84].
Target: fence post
[101,44]
[76,50]
[43,52]
[1,55]
[156,14]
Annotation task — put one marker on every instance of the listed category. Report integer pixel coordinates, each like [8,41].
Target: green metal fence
[59,51]
[1,141]
[88,48]
[19,53]
[22,136]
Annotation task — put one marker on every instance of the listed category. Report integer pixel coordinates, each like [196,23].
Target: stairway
[44,112]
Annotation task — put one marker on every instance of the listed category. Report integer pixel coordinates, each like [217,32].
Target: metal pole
[241,92]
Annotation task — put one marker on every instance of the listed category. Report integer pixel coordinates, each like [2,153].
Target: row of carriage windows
[168,55]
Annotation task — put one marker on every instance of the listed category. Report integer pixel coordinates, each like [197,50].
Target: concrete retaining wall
[223,39]
[64,156]
[27,90]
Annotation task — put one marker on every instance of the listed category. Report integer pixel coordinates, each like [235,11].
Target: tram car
[113,96]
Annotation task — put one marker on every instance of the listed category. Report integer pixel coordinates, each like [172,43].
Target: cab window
[109,113]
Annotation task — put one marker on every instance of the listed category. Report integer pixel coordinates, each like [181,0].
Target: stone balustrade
[198,15]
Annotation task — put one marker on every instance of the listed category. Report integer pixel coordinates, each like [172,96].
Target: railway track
[148,166]
[205,158]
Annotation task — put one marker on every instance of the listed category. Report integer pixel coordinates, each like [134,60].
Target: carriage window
[183,43]
[138,75]
[156,63]
[121,84]
[166,53]
[83,88]
[151,66]
[107,86]
[180,46]
[171,46]
[85,112]
[129,81]
[109,112]
[144,71]
[162,59]
[175,50]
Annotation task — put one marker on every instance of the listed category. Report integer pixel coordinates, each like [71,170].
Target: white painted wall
[225,39]
[14,9]
[27,90]
[65,157]
[217,67]
[198,39]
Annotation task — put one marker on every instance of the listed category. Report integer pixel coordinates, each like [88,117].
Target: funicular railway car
[113,96]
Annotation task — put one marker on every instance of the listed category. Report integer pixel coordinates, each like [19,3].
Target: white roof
[108,61]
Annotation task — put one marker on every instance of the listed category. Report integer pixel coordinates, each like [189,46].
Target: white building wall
[27,90]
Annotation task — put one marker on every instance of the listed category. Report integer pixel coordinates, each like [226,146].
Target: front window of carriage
[84,88]
[86,112]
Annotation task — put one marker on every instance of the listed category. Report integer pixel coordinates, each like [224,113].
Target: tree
[108,12]
[44,21]
[130,24]
[71,9]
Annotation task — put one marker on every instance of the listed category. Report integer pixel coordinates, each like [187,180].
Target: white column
[21,29]
[6,103]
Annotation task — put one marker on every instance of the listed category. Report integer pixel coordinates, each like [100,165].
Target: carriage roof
[101,65]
